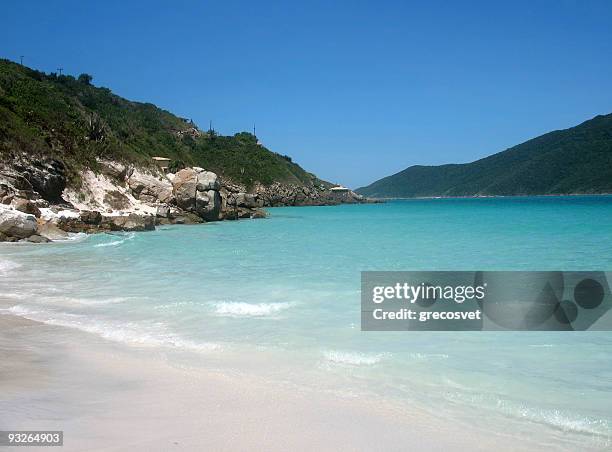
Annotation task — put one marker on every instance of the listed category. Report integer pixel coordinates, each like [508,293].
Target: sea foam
[129,236]
[242,309]
[125,332]
[354,358]
[564,420]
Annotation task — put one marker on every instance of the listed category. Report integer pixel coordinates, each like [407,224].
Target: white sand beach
[110,397]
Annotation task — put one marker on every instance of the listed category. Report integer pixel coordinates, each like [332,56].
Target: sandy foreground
[110,397]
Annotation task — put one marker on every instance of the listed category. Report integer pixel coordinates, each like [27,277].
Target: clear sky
[353,90]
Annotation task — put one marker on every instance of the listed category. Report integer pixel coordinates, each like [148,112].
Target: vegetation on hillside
[69,119]
[575,160]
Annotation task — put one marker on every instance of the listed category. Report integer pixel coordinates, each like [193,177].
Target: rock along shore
[38,206]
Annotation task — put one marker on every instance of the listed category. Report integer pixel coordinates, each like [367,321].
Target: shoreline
[497,196]
[123,398]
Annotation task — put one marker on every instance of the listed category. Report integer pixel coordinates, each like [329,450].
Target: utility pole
[60,69]
[21,59]
[254,134]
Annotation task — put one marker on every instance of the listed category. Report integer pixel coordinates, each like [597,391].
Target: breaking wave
[127,237]
[354,358]
[242,309]
[124,332]
[558,419]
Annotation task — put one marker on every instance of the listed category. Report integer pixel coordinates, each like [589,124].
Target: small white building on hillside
[340,189]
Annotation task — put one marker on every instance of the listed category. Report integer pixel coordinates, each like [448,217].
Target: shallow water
[280,297]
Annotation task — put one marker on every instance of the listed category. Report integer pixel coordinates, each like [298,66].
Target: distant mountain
[575,160]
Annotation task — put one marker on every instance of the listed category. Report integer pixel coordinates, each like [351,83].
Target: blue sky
[353,90]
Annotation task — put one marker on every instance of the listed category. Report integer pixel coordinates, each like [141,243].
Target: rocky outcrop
[49,180]
[13,184]
[185,184]
[208,205]
[51,232]
[207,180]
[92,222]
[116,200]
[197,191]
[91,217]
[16,225]
[114,170]
[26,206]
[248,200]
[180,217]
[47,177]
[70,221]
[149,188]
[37,239]
[131,222]
[116,197]
[279,195]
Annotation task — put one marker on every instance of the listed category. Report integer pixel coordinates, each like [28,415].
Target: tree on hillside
[85,78]
[246,137]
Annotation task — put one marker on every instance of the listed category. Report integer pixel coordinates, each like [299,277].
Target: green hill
[69,119]
[575,160]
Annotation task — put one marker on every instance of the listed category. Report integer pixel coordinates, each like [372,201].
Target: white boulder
[14,223]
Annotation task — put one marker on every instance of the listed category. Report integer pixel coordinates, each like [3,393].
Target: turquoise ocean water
[280,298]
